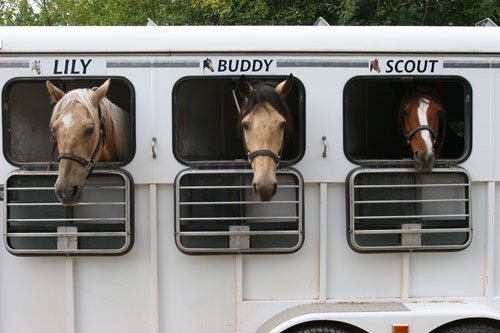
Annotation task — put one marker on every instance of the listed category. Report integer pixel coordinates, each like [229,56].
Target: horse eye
[244,126]
[283,124]
[89,131]
[53,137]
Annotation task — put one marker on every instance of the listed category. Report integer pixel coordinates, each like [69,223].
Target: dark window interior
[371,126]
[205,117]
[27,109]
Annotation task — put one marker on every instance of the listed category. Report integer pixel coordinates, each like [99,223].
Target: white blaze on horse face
[67,120]
[422,119]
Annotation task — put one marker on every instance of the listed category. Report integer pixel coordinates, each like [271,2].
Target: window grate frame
[298,204]
[353,220]
[70,234]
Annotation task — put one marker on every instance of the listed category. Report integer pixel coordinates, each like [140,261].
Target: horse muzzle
[265,191]
[69,195]
[424,161]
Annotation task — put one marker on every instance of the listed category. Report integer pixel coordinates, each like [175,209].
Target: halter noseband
[263,152]
[88,164]
[414,131]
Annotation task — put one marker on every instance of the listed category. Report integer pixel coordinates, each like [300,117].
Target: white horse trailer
[173,240]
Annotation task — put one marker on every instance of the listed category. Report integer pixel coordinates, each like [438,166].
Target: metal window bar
[211,221]
[403,210]
[36,223]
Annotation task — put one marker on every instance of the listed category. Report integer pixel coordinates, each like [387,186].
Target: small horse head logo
[207,63]
[374,65]
[35,66]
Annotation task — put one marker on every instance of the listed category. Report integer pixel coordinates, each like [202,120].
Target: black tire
[470,328]
[323,328]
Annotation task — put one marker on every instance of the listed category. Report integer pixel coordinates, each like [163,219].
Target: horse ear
[244,87]
[285,87]
[100,92]
[55,93]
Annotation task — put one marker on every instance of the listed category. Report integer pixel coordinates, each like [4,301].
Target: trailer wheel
[325,327]
[470,328]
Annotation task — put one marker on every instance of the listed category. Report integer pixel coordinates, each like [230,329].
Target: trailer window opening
[404,210]
[36,223]
[216,213]
[205,117]
[27,110]
[372,130]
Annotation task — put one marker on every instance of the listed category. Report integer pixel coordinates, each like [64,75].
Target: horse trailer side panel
[196,293]
[33,294]
[114,293]
[450,276]
[353,275]
[287,277]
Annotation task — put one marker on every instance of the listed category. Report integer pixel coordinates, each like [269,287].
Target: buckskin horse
[265,119]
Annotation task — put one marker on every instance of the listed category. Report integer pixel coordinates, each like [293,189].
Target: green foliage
[247,12]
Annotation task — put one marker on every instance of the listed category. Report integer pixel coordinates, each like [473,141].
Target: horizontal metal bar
[196,203]
[67,234]
[41,188]
[238,218]
[74,219]
[408,216]
[411,231]
[410,185]
[228,187]
[408,201]
[237,233]
[59,204]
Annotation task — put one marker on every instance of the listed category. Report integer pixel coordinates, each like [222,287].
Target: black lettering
[412,68]
[256,66]
[235,67]
[222,67]
[419,69]
[73,65]
[85,65]
[268,64]
[389,66]
[66,63]
[397,66]
[245,65]
[56,67]
[433,62]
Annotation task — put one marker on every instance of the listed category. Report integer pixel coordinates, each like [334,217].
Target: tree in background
[247,12]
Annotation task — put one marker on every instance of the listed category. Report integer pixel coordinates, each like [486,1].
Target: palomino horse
[264,119]
[420,113]
[86,127]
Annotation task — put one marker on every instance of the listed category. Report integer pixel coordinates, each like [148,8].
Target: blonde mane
[111,113]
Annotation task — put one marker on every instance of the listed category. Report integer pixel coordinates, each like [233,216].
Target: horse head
[265,119]
[77,128]
[420,112]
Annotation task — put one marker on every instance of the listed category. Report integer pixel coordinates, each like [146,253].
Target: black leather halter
[414,131]
[264,152]
[88,164]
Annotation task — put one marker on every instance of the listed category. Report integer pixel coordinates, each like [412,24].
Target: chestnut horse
[86,127]
[420,113]
[265,119]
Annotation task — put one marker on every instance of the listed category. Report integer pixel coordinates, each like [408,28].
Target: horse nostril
[275,187]
[254,185]
[75,191]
